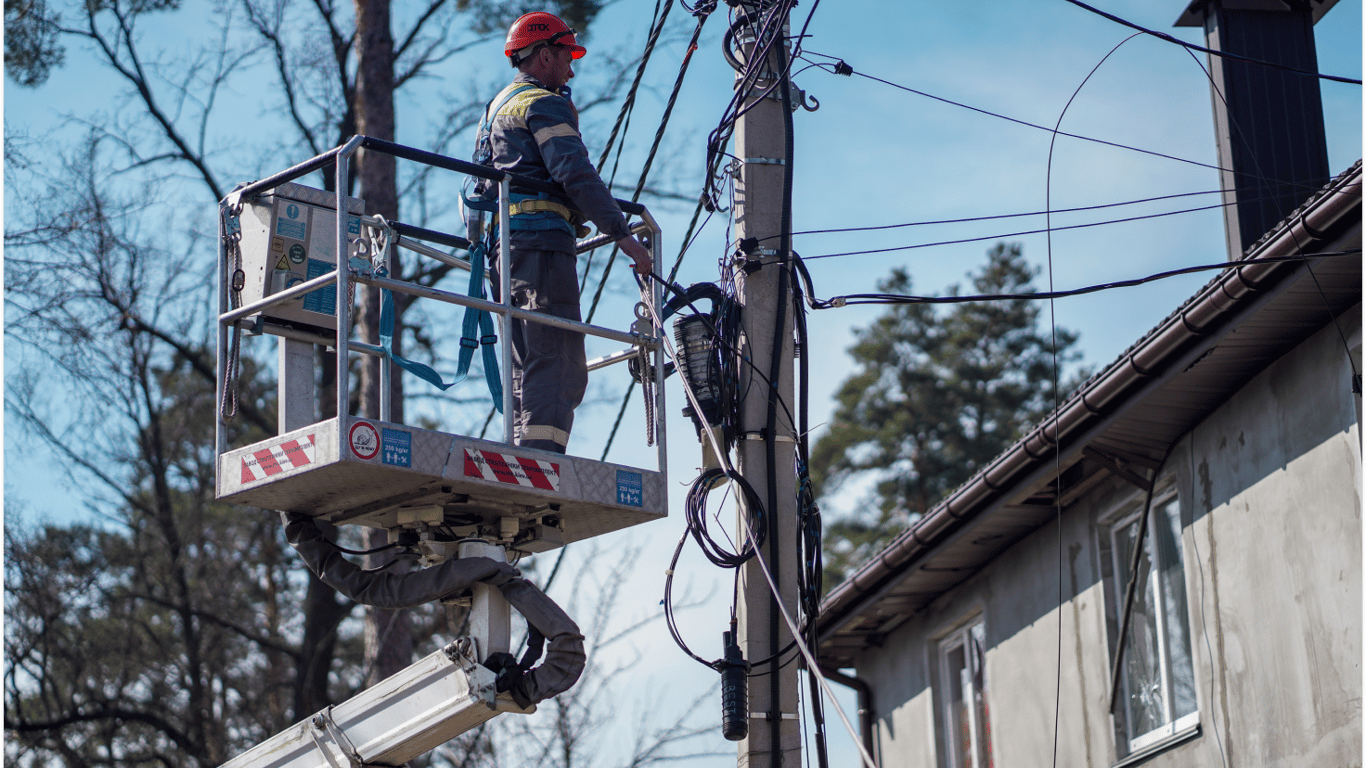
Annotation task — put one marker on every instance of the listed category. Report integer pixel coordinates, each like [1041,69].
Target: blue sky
[874,155]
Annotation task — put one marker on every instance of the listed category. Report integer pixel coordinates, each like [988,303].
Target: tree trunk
[388,636]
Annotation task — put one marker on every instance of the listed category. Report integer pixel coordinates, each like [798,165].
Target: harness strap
[483,322]
[538,206]
[474,320]
[523,215]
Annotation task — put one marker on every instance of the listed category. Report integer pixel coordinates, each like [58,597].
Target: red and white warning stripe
[514,470]
[274,459]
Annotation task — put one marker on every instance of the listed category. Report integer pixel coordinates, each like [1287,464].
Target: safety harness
[476,320]
[536,211]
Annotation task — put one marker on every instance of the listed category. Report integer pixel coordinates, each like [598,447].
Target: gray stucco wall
[1270,493]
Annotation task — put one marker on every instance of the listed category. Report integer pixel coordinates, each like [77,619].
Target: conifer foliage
[935,396]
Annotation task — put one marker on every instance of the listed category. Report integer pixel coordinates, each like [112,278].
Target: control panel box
[289,236]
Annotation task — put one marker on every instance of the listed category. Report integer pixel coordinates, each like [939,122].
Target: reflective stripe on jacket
[536,133]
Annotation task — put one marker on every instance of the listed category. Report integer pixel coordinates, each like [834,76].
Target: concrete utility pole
[774,729]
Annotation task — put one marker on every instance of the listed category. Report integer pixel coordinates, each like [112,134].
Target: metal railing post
[343,282]
[386,365]
[657,299]
[505,297]
[220,438]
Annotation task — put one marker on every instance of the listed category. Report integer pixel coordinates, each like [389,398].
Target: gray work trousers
[549,365]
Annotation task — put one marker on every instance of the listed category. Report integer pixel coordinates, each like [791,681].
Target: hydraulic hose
[564,654]
[386,589]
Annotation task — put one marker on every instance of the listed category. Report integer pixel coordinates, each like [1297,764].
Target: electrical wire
[812,665]
[1057,438]
[1008,235]
[841,68]
[1257,167]
[751,73]
[623,124]
[893,298]
[703,14]
[1200,566]
[1221,54]
[999,216]
[696,515]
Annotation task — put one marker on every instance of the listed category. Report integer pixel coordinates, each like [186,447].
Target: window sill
[1160,746]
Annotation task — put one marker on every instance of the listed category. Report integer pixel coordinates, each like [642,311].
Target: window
[1157,677]
[967,731]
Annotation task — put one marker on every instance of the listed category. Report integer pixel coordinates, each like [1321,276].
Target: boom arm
[437,698]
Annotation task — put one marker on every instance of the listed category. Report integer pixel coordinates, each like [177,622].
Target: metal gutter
[1315,223]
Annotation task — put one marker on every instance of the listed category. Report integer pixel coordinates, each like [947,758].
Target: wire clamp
[773,716]
[762,434]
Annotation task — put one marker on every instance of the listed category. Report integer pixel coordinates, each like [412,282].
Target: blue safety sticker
[294,230]
[629,486]
[353,225]
[398,447]
[292,222]
[324,300]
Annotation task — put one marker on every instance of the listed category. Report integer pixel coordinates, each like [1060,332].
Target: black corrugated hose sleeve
[386,589]
[564,654]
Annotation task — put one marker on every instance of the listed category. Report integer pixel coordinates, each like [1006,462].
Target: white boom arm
[406,715]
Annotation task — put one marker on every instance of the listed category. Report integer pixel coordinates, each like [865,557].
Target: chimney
[1268,122]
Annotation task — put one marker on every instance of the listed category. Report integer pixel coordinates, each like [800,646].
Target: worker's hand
[638,253]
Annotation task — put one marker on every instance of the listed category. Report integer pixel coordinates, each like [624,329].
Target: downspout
[865,706]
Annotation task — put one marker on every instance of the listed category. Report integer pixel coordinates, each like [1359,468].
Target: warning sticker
[274,459]
[513,470]
[364,440]
[282,264]
[398,447]
[629,488]
[277,245]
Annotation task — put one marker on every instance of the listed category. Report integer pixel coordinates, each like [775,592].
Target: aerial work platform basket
[279,246]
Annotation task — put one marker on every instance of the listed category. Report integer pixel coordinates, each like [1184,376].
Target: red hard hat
[541,27]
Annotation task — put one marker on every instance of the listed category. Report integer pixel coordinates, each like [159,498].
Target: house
[1218,459]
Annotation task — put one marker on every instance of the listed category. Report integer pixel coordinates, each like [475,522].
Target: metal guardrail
[411,238]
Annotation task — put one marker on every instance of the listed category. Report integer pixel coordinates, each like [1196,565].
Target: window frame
[1110,529]
[979,725]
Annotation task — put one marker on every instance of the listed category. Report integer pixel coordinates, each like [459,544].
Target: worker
[532,129]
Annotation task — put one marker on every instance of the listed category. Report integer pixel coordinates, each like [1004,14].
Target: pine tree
[936,396]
